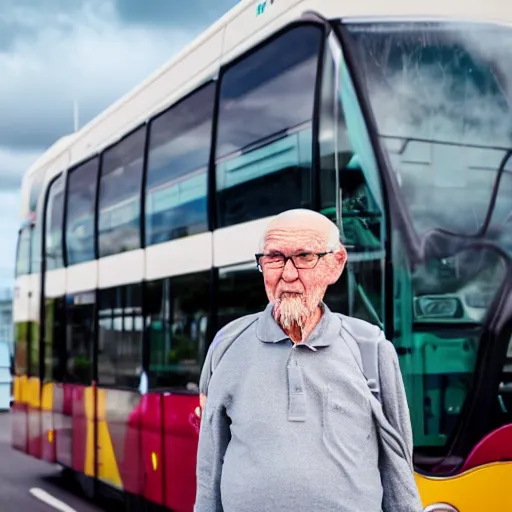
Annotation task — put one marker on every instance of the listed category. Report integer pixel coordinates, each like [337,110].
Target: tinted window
[179,151]
[441,106]
[80,338]
[446,126]
[54,220]
[36,250]
[81,198]
[21,348]
[241,292]
[351,155]
[34,352]
[120,189]
[178,311]
[55,340]
[264,137]
[120,325]
[23,252]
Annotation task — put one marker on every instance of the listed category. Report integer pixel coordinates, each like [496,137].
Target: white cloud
[90,58]
[85,55]
[9,207]
[12,164]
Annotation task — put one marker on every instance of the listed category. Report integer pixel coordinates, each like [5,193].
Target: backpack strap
[219,346]
[365,349]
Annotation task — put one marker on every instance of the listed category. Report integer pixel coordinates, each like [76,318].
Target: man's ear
[340,259]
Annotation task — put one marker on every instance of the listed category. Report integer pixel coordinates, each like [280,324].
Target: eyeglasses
[305,260]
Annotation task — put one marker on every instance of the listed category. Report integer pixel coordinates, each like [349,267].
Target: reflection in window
[264,140]
[178,313]
[439,93]
[179,151]
[33,351]
[36,249]
[442,305]
[21,348]
[55,340]
[80,338]
[23,252]
[362,219]
[505,389]
[119,196]
[80,204]
[500,225]
[54,215]
[241,292]
[359,293]
[120,324]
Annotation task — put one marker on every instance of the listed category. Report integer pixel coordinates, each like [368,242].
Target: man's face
[297,292]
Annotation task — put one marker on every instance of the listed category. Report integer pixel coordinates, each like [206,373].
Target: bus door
[351,196]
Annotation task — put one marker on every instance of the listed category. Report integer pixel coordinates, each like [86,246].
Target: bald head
[302,221]
[300,256]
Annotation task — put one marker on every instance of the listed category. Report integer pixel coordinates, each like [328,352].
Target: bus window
[505,389]
[241,292]
[447,151]
[120,326]
[80,204]
[119,195]
[345,150]
[21,347]
[80,338]
[37,226]
[176,183]
[264,138]
[23,252]
[54,223]
[36,248]
[178,314]
[55,340]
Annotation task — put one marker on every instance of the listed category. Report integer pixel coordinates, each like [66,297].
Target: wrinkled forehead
[290,238]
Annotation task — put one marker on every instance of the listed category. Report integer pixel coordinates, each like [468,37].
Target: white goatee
[291,310]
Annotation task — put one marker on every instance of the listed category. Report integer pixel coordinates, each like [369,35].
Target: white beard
[291,310]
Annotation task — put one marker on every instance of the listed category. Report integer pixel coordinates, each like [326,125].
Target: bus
[138,235]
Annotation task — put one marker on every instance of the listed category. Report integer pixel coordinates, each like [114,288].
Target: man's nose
[289,271]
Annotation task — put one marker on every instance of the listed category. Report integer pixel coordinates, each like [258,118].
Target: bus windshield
[440,94]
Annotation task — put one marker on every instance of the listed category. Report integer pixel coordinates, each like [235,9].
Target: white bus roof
[236,32]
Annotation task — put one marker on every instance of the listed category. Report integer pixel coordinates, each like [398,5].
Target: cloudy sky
[94,51]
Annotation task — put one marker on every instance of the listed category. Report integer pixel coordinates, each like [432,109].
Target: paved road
[20,473]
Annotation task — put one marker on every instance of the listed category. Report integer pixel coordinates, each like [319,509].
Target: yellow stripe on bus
[481,489]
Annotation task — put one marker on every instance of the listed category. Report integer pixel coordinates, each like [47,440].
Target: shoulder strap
[364,345]
[365,348]
[220,344]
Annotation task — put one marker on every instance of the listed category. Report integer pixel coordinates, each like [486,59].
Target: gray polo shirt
[288,427]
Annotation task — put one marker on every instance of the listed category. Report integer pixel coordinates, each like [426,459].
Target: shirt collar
[269,331]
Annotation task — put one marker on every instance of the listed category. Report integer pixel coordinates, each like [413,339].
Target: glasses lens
[272,261]
[305,260]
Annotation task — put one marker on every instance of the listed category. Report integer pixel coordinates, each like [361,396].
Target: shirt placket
[296,394]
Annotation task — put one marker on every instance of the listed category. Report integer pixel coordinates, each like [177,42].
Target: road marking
[50,500]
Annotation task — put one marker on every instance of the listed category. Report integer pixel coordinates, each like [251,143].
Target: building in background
[6,324]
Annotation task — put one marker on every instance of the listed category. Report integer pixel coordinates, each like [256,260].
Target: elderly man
[288,423]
